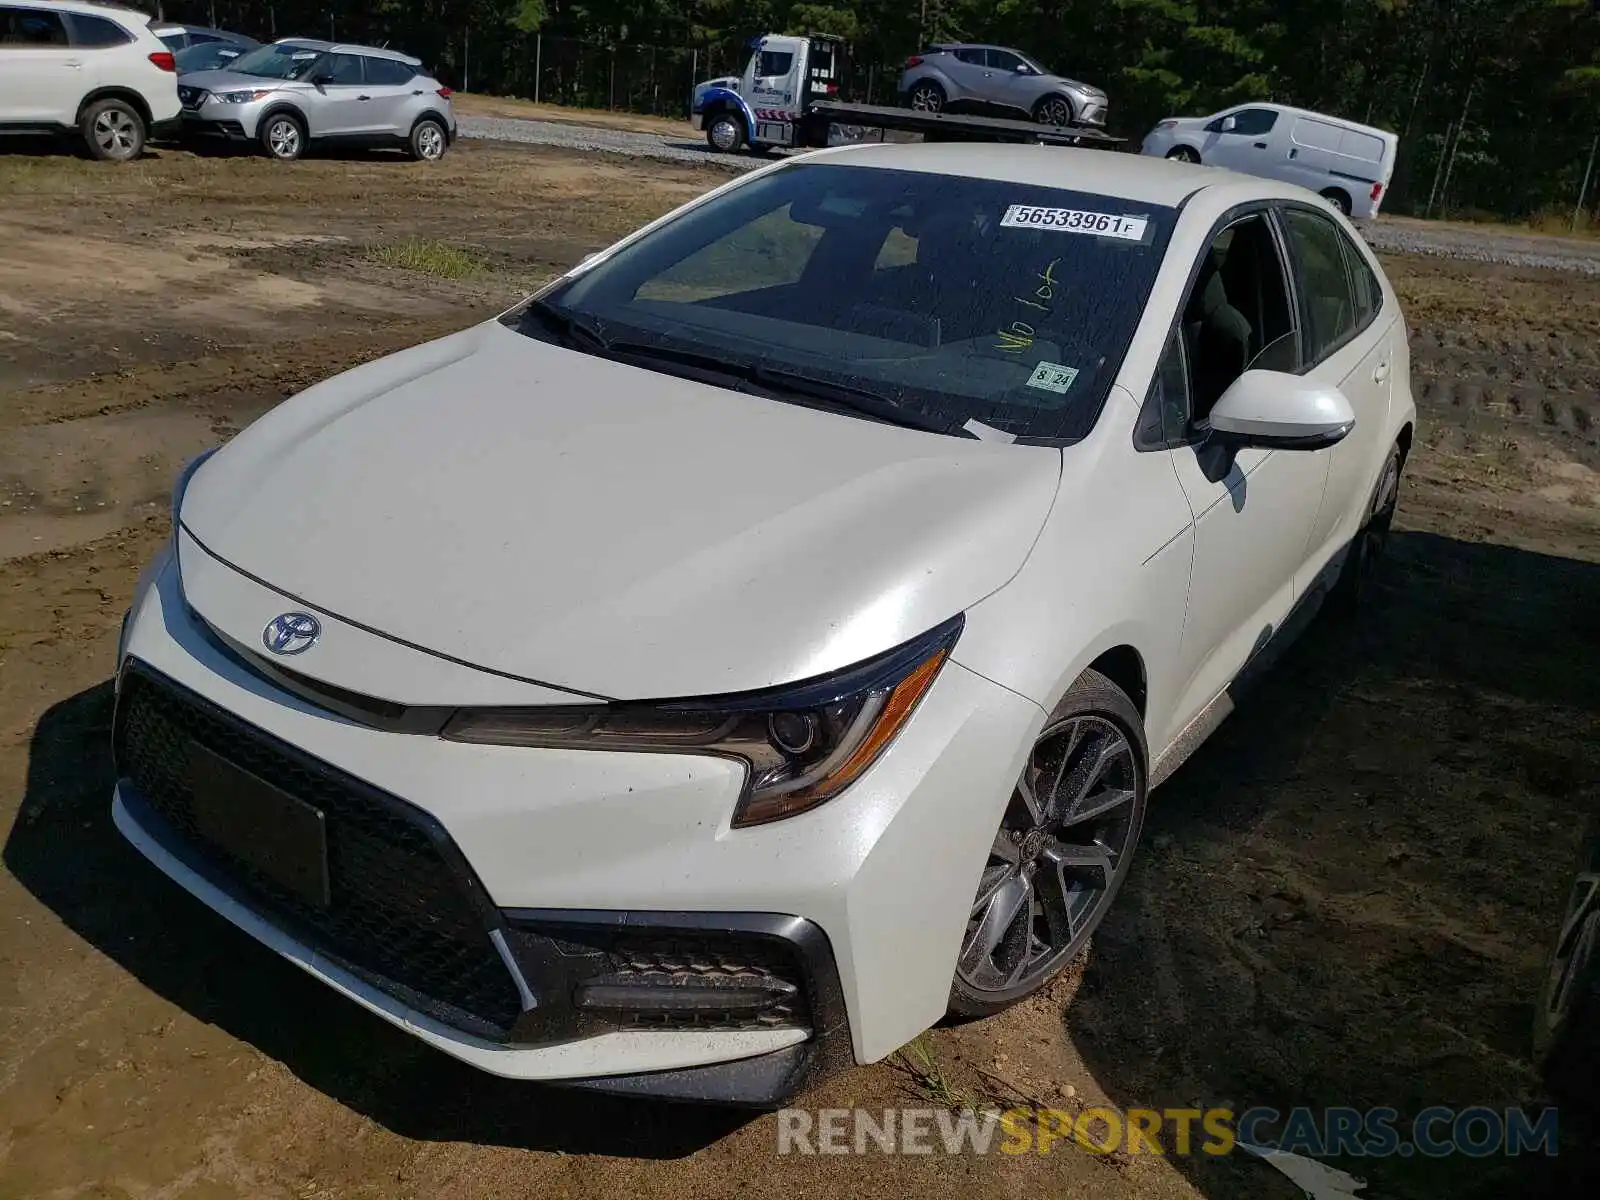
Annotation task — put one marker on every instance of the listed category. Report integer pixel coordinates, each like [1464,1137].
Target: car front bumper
[192,124]
[606,925]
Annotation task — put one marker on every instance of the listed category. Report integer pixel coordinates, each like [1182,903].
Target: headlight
[181,484]
[241,97]
[801,744]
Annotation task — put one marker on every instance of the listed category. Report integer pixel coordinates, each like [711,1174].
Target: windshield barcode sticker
[1052,377]
[1075,220]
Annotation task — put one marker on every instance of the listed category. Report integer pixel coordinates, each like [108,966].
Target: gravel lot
[1397,235]
[688,149]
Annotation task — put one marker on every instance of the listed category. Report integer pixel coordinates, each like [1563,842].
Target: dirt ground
[1343,899]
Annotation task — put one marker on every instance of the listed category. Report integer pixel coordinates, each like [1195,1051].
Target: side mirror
[1277,411]
[1228,124]
[1022,69]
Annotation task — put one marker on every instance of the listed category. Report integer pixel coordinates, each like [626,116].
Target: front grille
[401,912]
[190,97]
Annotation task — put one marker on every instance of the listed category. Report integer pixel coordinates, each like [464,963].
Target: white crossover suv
[764,640]
[96,70]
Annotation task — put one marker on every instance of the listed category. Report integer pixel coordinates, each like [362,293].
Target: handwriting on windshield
[1019,335]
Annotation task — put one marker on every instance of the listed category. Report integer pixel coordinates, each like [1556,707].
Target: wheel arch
[281,108]
[1328,193]
[719,101]
[112,92]
[431,114]
[1056,94]
[1123,665]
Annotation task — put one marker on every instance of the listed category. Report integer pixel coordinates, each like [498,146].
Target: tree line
[1497,102]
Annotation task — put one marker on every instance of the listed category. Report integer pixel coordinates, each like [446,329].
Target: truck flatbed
[957,127]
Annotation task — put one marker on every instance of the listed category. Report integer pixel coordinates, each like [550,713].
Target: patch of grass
[918,1060]
[428,256]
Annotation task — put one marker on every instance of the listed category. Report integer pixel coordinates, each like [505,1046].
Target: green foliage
[1525,73]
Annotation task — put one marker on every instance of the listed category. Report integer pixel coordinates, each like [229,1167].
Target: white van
[1346,163]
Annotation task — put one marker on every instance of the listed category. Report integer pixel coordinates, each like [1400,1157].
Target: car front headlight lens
[249,97]
[801,744]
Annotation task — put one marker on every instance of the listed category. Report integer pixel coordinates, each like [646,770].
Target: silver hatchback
[997,81]
[295,92]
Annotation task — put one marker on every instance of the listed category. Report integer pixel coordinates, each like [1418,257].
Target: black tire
[1054,110]
[428,140]
[1339,198]
[725,132]
[926,96]
[1566,1032]
[283,136]
[1051,882]
[113,130]
[1186,154]
[1366,551]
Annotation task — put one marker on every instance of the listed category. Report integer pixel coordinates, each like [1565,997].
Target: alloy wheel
[1057,859]
[283,138]
[927,98]
[1054,111]
[116,134]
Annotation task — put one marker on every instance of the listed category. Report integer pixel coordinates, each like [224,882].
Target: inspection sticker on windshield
[1074,220]
[1052,377]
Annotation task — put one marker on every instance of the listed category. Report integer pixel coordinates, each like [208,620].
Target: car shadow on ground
[64,848]
[1299,929]
[1345,896]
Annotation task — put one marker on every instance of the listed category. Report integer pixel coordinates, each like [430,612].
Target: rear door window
[387,72]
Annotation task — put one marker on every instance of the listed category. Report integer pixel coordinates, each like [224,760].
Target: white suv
[96,69]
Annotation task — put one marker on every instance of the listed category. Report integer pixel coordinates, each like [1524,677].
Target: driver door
[1254,512]
[339,105]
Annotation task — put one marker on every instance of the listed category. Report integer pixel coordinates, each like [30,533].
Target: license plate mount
[276,834]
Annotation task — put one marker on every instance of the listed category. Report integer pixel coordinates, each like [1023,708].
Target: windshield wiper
[568,324]
[867,402]
[780,380]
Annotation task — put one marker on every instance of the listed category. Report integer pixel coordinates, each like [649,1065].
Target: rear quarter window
[97,32]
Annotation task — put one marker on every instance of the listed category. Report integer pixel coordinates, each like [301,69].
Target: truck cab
[766,107]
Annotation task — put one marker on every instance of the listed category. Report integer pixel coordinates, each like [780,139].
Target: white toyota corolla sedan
[763,641]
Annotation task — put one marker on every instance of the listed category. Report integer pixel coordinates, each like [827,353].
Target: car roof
[348,48]
[1136,177]
[1291,111]
[110,7]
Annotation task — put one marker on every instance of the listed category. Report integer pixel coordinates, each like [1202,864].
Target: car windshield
[277,62]
[948,299]
[207,56]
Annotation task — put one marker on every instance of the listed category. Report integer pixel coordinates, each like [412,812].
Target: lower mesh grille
[399,910]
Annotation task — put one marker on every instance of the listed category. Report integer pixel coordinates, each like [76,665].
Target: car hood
[228,81]
[607,529]
[1079,85]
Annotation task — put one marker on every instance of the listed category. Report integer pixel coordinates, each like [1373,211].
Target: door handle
[363,97]
[1261,145]
[74,64]
[1381,373]
[1294,153]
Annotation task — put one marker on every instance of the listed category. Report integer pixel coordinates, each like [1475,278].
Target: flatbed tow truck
[787,98]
